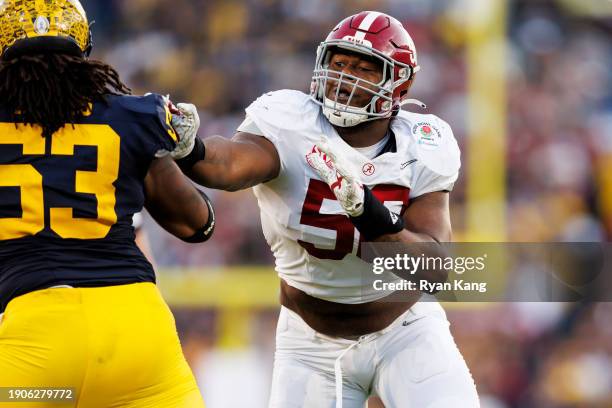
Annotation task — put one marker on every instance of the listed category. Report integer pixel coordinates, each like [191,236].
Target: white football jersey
[315,244]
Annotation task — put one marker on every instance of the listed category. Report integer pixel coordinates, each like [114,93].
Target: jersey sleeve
[161,124]
[279,114]
[248,126]
[439,158]
[155,121]
[280,117]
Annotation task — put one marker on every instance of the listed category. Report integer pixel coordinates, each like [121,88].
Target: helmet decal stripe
[367,22]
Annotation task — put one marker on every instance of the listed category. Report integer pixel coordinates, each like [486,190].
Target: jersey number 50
[30,181]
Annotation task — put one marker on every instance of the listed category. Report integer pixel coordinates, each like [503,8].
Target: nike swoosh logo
[408,163]
[409,322]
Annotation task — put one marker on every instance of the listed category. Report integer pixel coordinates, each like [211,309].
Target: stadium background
[526,86]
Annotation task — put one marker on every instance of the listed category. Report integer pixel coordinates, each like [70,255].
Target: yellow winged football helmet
[51,25]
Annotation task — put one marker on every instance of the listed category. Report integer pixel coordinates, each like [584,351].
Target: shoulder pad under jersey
[436,146]
[286,110]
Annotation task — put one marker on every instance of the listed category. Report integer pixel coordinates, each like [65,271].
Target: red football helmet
[377,35]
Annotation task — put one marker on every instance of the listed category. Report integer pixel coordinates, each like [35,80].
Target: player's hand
[186,122]
[333,170]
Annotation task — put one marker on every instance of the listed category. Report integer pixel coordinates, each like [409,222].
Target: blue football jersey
[67,201]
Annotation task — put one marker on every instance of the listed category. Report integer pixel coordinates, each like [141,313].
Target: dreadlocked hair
[51,90]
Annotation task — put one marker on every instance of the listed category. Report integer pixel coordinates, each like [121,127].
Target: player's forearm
[235,164]
[221,167]
[182,211]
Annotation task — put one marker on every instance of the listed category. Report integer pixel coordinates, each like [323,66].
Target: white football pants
[413,363]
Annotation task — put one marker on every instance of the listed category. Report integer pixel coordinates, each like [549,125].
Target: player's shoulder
[149,105]
[423,124]
[151,111]
[287,109]
[431,138]
[285,98]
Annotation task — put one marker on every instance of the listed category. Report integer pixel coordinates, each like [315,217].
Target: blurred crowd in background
[222,54]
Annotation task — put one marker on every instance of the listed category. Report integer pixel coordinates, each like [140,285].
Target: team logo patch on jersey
[429,135]
[368,169]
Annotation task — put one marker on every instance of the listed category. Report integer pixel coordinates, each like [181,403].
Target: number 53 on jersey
[24,175]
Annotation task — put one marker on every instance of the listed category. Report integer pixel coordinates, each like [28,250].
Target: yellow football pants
[116,346]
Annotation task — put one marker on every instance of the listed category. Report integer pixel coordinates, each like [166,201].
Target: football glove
[333,170]
[365,211]
[186,122]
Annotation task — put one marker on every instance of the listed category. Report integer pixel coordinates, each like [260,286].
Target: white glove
[333,170]
[186,124]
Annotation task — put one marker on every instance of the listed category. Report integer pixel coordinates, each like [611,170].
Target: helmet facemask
[381,104]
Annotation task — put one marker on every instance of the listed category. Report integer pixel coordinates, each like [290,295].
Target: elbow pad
[204,233]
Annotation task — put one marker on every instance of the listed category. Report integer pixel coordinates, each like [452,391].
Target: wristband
[197,153]
[204,233]
[376,219]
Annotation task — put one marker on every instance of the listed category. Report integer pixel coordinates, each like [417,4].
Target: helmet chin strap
[341,117]
[413,102]
[347,119]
